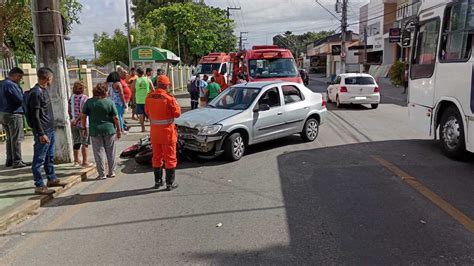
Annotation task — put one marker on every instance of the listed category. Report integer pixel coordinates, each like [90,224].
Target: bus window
[456,42]
[424,57]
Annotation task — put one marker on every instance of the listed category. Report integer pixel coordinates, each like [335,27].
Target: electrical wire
[327,10]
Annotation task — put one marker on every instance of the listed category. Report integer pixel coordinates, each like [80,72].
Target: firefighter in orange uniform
[162,108]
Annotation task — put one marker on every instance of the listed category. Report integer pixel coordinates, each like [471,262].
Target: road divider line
[456,214]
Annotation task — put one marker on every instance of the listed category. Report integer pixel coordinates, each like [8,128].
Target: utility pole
[50,52]
[343,36]
[231,8]
[129,36]
[365,46]
[241,39]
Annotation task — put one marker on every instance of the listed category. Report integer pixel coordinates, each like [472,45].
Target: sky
[262,19]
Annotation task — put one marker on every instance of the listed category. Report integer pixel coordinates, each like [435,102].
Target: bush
[397,73]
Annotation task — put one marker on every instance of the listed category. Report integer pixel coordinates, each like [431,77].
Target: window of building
[424,57]
[291,94]
[456,40]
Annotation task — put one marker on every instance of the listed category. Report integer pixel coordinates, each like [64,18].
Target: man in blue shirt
[11,116]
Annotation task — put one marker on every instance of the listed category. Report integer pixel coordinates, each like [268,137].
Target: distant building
[376,19]
[325,54]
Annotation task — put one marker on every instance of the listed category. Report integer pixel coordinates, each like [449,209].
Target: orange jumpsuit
[162,108]
[220,79]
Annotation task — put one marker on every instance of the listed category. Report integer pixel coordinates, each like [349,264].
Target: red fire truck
[263,63]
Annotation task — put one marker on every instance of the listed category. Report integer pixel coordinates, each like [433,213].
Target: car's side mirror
[261,108]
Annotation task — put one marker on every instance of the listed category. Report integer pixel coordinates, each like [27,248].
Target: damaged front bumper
[211,144]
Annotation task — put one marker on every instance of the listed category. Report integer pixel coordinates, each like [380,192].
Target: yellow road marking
[22,248]
[456,214]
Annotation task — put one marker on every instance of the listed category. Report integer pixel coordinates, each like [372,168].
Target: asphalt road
[369,190]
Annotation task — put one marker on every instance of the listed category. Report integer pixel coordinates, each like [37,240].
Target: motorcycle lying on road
[142,152]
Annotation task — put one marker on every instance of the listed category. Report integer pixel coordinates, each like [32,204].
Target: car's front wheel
[234,147]
[311,130]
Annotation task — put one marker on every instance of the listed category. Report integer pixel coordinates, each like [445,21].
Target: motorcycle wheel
[144,157]
[130,152]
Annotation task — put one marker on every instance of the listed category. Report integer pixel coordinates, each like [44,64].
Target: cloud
[263,19]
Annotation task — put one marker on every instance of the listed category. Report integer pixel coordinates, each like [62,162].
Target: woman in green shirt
[104,128]
[213,89]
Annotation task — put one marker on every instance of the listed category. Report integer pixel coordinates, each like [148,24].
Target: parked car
[304,76]
[354,88]
[250,113]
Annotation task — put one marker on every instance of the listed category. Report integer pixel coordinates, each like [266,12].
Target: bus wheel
[452,134]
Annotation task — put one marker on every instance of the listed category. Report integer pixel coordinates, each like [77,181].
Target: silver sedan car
[251,113]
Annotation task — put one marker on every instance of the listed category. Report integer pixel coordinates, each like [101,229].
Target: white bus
[441,83]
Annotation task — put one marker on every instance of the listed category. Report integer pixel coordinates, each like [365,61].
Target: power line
[327,10]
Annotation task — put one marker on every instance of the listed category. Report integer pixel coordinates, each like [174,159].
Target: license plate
[361,98]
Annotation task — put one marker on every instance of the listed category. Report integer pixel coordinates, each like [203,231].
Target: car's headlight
[210,130]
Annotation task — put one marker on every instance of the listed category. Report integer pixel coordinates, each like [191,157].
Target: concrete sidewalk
[17,197]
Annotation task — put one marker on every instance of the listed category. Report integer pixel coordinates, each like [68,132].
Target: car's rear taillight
[343,89]
[323,104]
[376,89]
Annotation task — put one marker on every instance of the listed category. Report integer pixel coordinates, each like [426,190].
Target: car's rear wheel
[374,106]
[311,130]
[452,134]
[328,98]
[234,147]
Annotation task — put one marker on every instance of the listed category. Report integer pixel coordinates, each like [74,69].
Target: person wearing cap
[162,108]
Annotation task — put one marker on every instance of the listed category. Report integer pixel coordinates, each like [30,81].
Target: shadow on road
[343,207]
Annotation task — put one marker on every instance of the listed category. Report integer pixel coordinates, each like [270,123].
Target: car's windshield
[272,68]
[235,98]
[207,68]
[359,81]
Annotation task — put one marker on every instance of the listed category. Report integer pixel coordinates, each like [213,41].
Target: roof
[356,75]
[258,84]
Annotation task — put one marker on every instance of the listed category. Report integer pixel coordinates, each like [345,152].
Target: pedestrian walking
[162,108]
[117,95]
[104,129]
[203,92]
[142,87]
[193,89]
[11,116]
[149,75]
[130,81]
[213,89]
[127,94]
[159,72]
[81,141]
[241,78]
[220,79]
[39,112]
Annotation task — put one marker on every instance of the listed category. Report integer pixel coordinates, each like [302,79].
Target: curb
[19,212]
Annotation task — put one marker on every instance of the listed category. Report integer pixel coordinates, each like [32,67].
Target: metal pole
[127,7]
[179,48]
[343,36]
[365,46]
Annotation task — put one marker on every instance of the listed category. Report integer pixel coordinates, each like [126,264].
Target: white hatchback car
[354,88]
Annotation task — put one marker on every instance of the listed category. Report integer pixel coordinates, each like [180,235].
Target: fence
[180,76]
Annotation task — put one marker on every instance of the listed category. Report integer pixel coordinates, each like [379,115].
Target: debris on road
[422,221]
[219,225]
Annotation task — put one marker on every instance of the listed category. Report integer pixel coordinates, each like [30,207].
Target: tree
[115,48]
[141,8]
[198,28]
[297,43]
[16,30]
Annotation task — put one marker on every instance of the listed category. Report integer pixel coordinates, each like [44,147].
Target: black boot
[158,177]
[170,176]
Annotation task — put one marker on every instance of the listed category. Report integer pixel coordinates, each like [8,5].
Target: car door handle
[279,113]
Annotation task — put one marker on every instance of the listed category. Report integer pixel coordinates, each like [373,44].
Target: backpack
[193,87]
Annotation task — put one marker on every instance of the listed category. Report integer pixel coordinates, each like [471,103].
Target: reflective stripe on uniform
[161,122]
